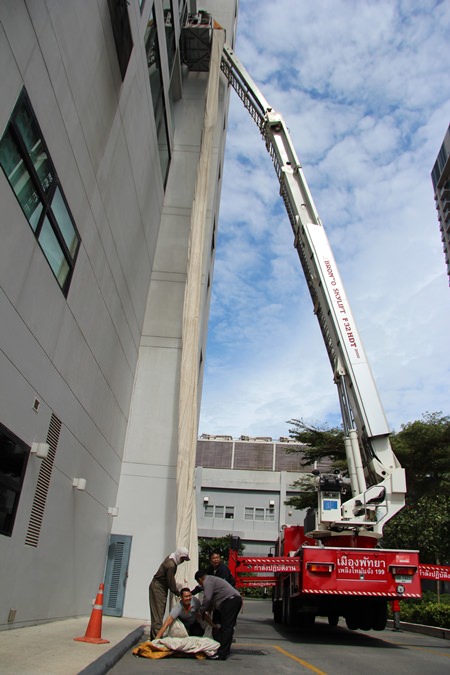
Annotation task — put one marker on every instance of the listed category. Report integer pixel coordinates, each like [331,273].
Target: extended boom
[377,480]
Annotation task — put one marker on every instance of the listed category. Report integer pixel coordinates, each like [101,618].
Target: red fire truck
[351,580]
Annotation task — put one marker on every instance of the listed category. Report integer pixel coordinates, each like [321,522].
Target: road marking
[304,663]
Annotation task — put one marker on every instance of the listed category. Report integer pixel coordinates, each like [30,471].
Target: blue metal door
[116,574]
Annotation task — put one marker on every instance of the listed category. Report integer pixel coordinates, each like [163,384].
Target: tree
[306,498]
[423,449]
[221,544]
[318,443]
[424,525]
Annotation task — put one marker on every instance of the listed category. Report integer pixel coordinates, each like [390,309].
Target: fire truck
[332,566]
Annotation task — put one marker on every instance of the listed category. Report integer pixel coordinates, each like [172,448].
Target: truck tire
[333,619]
[365,621]
[352,622]
[379,616]
[286,605]
[277,608]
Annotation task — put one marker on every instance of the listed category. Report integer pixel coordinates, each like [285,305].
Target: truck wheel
[379,616]
[365,621]
[352,622]
[278,612]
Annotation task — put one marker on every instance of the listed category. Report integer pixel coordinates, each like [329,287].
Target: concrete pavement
[49,649]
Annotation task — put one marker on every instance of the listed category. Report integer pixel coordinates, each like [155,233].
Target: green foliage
[222,544]
[423,449]
[424,526]
[257,592]
[426,613]
[319,442]
[307,495]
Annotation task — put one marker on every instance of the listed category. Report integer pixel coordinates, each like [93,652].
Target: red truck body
[352,580]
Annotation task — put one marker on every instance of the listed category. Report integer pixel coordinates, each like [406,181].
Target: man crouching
[219,594]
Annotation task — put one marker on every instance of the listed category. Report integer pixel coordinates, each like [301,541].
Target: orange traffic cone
[94,629]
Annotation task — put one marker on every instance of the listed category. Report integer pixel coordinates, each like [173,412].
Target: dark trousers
[158,600]
[229,610]
[196,629]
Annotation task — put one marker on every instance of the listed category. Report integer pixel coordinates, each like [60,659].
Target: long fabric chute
[186,529]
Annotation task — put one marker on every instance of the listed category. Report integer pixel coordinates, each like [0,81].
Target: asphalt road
[265,648]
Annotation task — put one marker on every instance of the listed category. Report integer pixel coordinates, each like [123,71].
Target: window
[13,461]
[27,165]
[259,513]
[170,32]
[120,21]
[210,511]
[229,512]
[249,513]
[156,87]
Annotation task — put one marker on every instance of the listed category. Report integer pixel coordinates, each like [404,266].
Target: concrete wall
[147,493]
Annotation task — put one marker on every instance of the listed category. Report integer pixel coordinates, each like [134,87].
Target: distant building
[440,177]
[242,485]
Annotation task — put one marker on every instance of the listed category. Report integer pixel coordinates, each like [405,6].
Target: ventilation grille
[43,483]
[111,602]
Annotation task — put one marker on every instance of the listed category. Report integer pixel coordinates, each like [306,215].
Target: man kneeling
[187,611]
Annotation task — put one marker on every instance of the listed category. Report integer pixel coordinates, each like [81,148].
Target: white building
[101,130]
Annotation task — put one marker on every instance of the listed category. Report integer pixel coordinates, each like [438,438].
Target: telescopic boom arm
[377,479]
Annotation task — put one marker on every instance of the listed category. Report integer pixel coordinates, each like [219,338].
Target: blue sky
[364,88]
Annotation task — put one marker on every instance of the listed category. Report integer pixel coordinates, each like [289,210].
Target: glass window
[20,179]
[229,512]
[153,61]
[123,39]
[64,221]
[30,135]
[170,32]
[209,511]
[53,252]
[156,87]
[27,165]
[13,461]
[249,513]
[220,511]
[259,514]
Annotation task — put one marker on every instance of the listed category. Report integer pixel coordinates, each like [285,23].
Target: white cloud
[363,87]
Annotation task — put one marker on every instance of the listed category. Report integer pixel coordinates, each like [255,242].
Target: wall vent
[43,483]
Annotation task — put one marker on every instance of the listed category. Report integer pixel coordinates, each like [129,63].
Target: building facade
[101,127]
[242,486]
[440,177]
